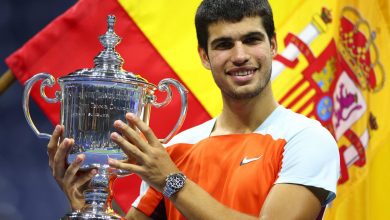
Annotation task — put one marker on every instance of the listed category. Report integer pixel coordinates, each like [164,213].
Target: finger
[53,143]
[125,166]
[129,160]
[129,149]
[59,165]
[79,179]
[83,179]
[62,133]
[73,168]
[143,127]
[131,135]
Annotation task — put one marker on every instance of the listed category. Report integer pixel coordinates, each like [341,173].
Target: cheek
[260,53]
[218,60]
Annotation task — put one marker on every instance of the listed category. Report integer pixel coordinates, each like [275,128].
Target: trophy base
[89,216]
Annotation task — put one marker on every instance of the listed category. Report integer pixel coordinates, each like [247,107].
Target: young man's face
[240,57]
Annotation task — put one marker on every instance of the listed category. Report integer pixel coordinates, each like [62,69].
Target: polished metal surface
[91,100]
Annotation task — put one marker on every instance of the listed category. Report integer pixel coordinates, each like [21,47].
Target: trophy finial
[109,59]
[111,22]
[109,40]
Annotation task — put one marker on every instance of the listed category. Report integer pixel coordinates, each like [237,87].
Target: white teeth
[242,73]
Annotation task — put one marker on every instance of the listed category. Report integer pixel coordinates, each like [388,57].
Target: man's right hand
[70,179]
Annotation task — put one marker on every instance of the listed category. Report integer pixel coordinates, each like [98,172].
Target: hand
[70,179]
[152,162]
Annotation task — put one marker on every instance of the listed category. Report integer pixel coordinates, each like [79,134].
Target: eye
[252,40]
[223,45]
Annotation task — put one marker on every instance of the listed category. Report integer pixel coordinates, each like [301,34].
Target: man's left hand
[152,162]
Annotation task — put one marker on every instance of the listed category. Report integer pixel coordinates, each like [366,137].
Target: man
[255,160]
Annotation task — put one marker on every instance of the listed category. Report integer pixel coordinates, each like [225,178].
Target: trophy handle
[48,80]
[164,86]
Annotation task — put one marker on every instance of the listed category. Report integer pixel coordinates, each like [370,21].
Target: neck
[244,115]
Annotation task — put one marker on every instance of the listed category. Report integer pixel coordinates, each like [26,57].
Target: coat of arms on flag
[338,80]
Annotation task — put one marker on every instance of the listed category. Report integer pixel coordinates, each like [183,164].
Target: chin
[242,95]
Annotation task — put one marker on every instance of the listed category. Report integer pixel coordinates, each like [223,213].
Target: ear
[204,58]
[274,46]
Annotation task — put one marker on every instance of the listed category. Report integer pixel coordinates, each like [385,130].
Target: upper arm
[308,176]
[290,201]
[311,159]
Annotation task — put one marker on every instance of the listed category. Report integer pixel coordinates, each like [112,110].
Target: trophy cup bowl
[91,100]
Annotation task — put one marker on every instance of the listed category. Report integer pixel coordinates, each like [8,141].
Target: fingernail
[111,161]
[79,159]
[119,123]
[66,141]
[114,136]
[130,115]
[57,128]
[94,172]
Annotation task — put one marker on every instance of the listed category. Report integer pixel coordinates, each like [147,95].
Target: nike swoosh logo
[248,160]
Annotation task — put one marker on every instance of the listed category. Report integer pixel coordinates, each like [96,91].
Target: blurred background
[27,189]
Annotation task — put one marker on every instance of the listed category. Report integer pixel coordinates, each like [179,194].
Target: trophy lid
[108,63]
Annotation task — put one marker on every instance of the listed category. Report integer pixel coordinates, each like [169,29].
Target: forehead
[235,29]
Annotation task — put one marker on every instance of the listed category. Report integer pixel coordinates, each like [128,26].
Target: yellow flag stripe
[169,25]
[307,111]
[292,96]
[303,101]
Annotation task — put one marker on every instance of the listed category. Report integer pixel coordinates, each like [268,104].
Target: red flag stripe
[298,97]
[70,42]
[306,104]
[295,87]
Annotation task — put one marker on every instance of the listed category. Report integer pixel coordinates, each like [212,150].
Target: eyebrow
[259,34]
[250,34]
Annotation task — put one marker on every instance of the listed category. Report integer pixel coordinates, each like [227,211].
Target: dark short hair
[212,11]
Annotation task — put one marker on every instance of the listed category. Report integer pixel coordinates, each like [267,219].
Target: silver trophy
[91,100]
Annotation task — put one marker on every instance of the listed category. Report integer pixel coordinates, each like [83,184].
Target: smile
[242,76]
[242,73]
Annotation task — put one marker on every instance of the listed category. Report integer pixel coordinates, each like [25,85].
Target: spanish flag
[331,67]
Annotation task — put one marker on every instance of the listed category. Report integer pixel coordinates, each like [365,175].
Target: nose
[239,54]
